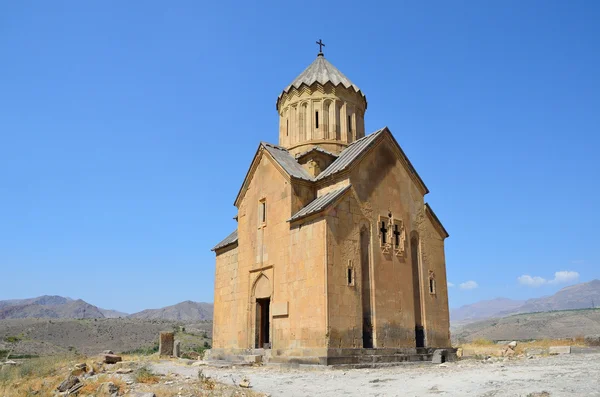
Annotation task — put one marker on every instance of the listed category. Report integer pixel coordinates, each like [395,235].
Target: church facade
[335,249]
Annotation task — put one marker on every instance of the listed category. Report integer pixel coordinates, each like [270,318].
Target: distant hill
[40,300]
[113,313]
[484,309]
[541,325]
[185,311]
[578,296]
[60,307]
[48,309]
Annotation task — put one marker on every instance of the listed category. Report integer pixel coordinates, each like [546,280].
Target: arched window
[431,283]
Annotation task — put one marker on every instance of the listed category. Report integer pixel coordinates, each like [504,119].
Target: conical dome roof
[321,71]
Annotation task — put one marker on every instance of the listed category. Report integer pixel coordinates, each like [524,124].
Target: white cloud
[469,285]
[532,281]
[565,276]
[450,285]
[562,277]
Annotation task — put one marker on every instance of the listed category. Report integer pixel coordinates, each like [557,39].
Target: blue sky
[126,129]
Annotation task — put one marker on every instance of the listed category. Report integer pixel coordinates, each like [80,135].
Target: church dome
[321,71]
[320,108]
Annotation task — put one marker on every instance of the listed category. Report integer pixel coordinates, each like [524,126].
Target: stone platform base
[354,358]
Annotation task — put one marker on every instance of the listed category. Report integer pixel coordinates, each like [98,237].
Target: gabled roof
[283,158]
[316,149]
[358,148]
[287,161]
[321,71]
[320,203]
[349,154]
[232,238]
[436,221]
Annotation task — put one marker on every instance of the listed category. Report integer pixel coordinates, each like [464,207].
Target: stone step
[379,365]
[357,360]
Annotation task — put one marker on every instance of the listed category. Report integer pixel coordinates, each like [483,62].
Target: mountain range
[579,296]
[51,306]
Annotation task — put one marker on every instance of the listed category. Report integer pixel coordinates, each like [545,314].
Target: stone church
[336,255]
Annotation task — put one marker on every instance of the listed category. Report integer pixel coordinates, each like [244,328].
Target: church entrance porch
[262,323]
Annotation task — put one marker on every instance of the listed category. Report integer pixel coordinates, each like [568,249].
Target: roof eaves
[320,204]
[350,154]
[316,149]
[231,239]
[429,210]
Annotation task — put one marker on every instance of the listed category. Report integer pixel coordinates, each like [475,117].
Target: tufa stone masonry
[336,255]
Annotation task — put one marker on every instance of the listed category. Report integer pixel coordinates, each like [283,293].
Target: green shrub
[12,339]
[143,351]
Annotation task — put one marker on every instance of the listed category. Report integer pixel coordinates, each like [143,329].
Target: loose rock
[68,383]
[559,350]
[111,359]
[108,388]
[245,383]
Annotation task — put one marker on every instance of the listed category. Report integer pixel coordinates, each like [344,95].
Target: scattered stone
[444,365]
[533,352]
[440,356]
[512,344]
[124,371]
[138,394]
[11,362]
[108,352]
[245,383]
[592,340]
[167,341]
[108,388]
[75,389]
[68,383]
[559,350]
[111,359]
[79,369]
[509,352]
[459,352]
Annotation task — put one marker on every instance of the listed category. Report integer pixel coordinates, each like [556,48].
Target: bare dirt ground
[565,375]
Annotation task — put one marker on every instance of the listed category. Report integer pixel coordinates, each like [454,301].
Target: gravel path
[567,375]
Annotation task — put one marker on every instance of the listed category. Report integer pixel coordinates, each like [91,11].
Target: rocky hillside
[34,336]
[541,325]
[185,311]
[578,296]
[49,309]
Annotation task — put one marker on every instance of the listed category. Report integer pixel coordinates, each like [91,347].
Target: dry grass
[91,387]
[144,375]
[487,347]
[38,376]
[482,342]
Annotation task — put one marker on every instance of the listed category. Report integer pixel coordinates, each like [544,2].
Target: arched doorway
[261,295]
